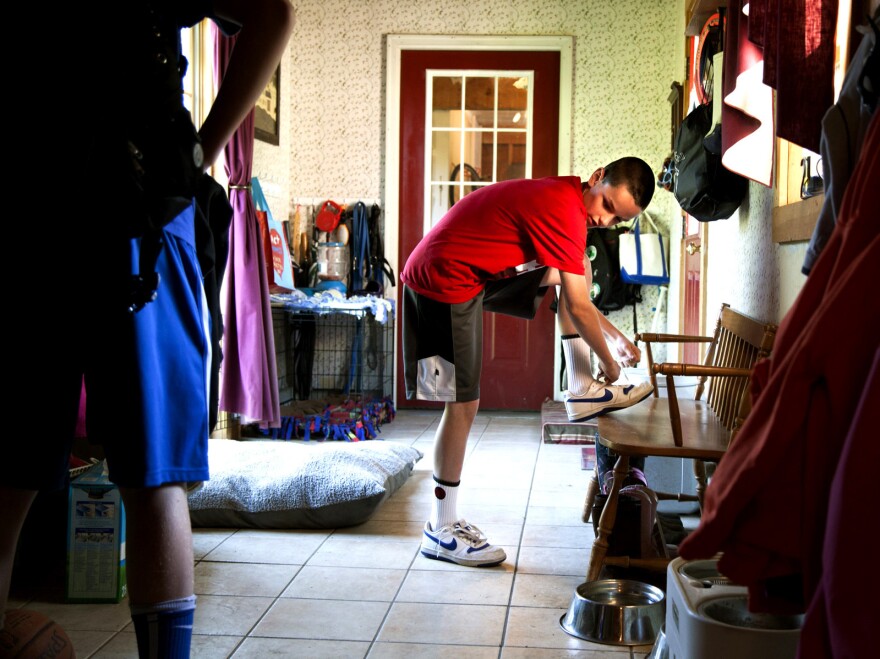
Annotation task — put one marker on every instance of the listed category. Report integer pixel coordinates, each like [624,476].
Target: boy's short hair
[636,175]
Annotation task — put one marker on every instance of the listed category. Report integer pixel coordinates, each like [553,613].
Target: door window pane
[513,102]
[468,160]
[511,156]
[446,96]
[442,154]
[479,133]
[439,202]
[479,95]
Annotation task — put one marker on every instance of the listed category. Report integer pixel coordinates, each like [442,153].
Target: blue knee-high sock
[164,630]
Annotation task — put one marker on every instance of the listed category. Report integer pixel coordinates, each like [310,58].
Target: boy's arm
[588,321]
[627,351]
[265,29]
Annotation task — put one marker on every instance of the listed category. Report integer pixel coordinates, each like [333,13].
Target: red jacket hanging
[766,506]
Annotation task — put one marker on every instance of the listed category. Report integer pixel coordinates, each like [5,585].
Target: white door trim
[396,43]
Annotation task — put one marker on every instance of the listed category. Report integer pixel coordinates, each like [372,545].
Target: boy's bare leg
[15,504]
[450,441]
[160,569]
[158,544]
[586,397]
[563,318]
[577,352]
[447,537]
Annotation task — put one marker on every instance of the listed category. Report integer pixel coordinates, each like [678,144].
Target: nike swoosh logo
[604,399]
[451,545]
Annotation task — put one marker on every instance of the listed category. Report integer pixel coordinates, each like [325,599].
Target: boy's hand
[611,372]
[628,352]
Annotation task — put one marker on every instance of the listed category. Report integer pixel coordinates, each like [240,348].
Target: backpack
[703,187]
[608,292]
[633,532]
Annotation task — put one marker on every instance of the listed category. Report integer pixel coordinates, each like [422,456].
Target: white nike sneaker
[602,398]
[460,543]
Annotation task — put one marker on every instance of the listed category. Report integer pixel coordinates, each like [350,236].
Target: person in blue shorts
[141,345]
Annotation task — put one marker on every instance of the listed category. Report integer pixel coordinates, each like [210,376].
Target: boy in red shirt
[539,234]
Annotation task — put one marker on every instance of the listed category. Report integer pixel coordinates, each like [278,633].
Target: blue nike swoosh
[451,545]
[604,399]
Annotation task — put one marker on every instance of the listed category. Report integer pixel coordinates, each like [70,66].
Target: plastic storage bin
[332,261]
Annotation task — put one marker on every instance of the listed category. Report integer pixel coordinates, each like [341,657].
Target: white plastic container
[332,261]
[706,616]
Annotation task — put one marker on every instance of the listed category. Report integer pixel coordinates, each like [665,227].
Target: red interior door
[517,354]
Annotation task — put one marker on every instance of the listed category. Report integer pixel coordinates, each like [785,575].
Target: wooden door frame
[396,44]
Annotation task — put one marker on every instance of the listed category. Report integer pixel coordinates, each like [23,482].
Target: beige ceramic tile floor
[366,591]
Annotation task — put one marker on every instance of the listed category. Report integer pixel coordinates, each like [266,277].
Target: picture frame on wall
[266,112]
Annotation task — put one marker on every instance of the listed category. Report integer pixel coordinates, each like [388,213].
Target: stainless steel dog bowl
[615,612]
[661,646]
[734,611]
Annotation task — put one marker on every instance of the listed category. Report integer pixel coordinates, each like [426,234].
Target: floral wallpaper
[333,91]
[747,269]
[626,54]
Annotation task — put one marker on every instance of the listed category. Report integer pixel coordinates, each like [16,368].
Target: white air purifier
[707,616]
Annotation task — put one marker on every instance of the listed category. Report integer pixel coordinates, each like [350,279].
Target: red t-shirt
[498,227]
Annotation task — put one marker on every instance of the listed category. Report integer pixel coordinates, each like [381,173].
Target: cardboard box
[95,539]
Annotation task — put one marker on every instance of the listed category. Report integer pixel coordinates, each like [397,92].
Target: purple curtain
[249,380]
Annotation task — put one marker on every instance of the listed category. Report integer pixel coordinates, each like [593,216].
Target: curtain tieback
[240,187]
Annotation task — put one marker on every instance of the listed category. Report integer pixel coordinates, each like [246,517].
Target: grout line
[402,581]
[275,599]
[391,604]
[522,532]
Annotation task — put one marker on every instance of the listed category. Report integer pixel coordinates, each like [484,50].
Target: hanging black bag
[703,187]
[608,292]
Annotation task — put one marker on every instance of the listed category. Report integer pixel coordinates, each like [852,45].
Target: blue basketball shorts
[146,374]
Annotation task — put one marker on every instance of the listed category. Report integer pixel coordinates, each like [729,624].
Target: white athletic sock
[444,512]
[577,364]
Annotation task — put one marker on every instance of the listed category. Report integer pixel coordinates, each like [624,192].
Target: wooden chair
[695,429]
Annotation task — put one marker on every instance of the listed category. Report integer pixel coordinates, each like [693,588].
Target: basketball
[29,635]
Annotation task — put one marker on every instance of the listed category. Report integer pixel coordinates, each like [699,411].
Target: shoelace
[469,533]
[623,380]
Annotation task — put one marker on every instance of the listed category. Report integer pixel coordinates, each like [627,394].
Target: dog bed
[298,485]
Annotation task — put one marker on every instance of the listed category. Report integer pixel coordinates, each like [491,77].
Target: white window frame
[462,129]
